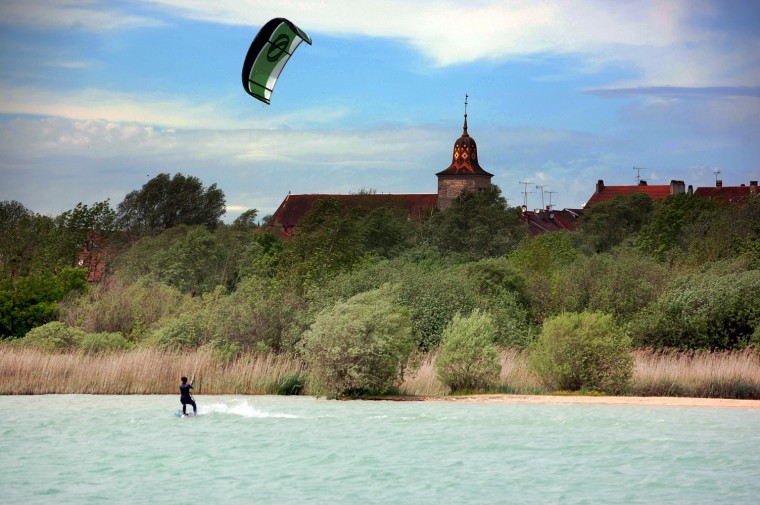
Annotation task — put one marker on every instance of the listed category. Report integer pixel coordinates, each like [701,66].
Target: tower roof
[465,157]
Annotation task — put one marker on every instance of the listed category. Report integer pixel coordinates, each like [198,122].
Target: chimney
[752,187]
[677,187]
[599,186]
[718,184]
[691,190]
[642,182]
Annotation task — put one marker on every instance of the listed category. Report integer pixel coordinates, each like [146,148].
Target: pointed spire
[464,133]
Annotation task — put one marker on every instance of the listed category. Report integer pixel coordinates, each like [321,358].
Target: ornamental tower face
[465,172]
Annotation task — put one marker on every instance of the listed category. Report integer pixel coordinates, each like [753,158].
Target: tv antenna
[550,193]
[525,194]
[541,187]
[638,174]
[717,173]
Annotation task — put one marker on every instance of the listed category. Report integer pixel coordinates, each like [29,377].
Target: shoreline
[649,401]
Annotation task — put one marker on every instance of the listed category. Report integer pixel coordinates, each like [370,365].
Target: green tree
[608,224]
[331,238]
[30,301]
[359,346]
[467,357]
[189,258]
[86,231]
[165,202]
[31,243]
[662,237]
[729,231]
[539,261]
[260,255]
[246,220]
[477,225]
[324,243]
[583,351]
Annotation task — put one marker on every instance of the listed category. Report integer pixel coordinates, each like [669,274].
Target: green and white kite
[269,52]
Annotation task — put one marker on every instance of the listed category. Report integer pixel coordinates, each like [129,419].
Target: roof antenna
[525,195]
[550,193]
[541,187]
[638,174]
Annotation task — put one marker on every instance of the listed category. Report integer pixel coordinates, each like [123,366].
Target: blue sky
[98,96]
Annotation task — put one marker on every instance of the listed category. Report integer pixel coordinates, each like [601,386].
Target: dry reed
[734,374]
[701,374]
[730,374]
[142,371]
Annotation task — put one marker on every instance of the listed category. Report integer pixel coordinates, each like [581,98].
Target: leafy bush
[224,352]
[511,319]
[180,332]
[539,260]
[467,357]
[54,336]
[622,283]
[754,341]
[116,307]
[359,346]
[257,315]
[710,310]
[430,288]
[188,258]
[103,342]
[583,351]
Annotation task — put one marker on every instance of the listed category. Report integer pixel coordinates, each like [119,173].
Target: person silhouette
[185,397]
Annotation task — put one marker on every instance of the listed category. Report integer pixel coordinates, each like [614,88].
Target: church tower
[464,173]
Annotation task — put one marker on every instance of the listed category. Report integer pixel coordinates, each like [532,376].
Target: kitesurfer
[185,397]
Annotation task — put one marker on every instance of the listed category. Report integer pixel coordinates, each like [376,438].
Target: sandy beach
[653,401]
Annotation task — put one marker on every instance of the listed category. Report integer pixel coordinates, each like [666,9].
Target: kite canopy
[269,52]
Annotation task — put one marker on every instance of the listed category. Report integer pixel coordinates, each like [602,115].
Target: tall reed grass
[701,374]
[145,371]
[729,374]
[733,374]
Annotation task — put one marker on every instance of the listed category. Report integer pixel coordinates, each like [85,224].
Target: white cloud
[50,164]
[86,15]
[658,38]
[160,110]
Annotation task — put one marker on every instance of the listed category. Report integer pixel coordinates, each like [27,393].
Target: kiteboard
[181,415]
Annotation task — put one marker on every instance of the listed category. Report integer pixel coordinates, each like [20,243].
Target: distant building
[605,193]
[294,207]
[464,173]
[728,194]
[549,220]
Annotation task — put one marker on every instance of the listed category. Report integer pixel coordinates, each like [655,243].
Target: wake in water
[240,408]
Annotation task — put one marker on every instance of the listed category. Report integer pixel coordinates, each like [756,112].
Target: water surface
[300,450]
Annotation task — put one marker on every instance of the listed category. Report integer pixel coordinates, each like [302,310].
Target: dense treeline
[356,292]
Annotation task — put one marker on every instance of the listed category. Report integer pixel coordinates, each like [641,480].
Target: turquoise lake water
[72,449]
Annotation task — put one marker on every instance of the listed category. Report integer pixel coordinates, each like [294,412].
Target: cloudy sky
[98,96]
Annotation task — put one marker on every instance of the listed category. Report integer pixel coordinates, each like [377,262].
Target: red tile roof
[609,192]
[293,208]
[544,221]
[728,194]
